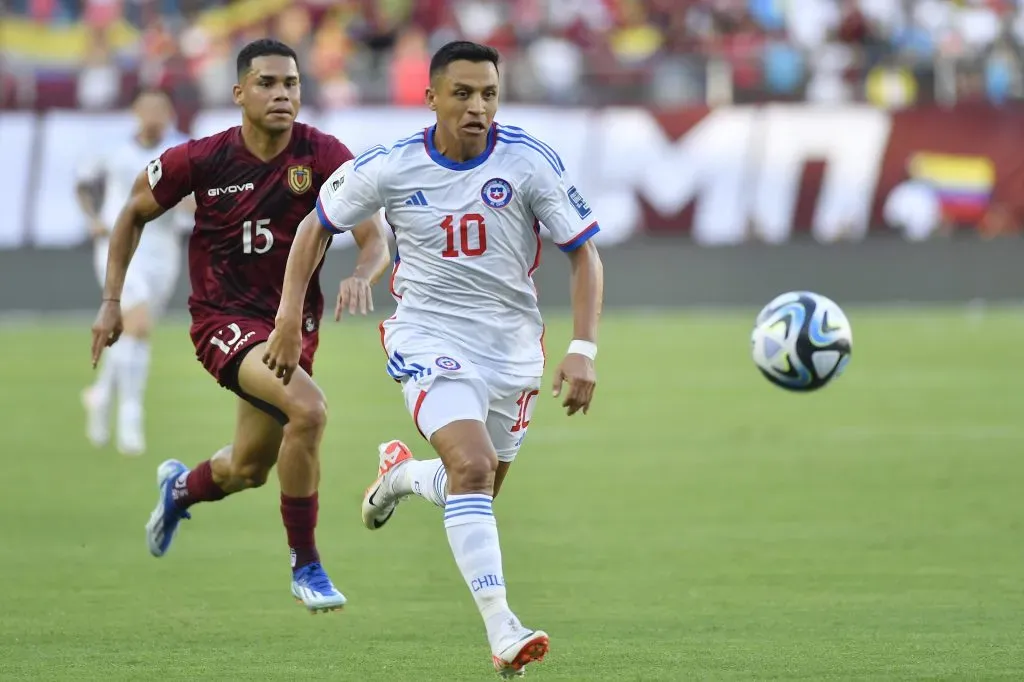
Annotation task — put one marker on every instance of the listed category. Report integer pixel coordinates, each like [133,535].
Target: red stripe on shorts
[416,412]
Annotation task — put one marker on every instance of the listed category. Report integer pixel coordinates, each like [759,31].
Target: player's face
[465,98]
[269,93]
[153,111]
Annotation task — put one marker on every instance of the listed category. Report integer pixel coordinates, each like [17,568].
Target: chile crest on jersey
[496,193]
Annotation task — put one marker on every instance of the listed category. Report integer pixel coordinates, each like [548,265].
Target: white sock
[426,478]
[132,373]
[473,536]
[103,388]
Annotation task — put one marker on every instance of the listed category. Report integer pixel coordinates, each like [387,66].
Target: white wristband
[588,348]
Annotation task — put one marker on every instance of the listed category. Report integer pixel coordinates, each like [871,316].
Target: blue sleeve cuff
[580,239]
[325,221]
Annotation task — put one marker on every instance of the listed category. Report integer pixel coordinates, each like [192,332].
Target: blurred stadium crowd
[92,54]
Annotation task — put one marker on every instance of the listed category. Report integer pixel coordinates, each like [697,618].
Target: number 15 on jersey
[256,237]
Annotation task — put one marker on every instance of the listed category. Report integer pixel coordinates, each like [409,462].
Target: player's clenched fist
[356,293]
[284,347]
[579,371]
[106,329]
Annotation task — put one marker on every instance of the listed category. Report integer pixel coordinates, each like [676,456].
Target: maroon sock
[196,486]
[299,515]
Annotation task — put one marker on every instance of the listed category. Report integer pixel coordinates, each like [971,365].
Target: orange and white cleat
[379,501]
[512,660]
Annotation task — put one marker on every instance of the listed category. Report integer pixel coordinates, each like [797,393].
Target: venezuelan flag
[963,183]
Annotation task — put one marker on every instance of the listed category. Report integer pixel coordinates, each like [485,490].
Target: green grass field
[698,524]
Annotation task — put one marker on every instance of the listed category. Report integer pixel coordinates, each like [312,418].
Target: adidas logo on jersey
[416,199]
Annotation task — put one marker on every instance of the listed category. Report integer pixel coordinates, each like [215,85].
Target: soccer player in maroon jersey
[253,184]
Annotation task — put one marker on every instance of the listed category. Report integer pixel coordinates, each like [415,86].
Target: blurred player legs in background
[104,184]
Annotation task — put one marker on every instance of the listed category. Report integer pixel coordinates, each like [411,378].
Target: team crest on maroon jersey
[300,179]
[310,324]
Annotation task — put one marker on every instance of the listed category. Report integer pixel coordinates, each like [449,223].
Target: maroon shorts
[222,341]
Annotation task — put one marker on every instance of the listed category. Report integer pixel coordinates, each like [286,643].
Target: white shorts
[146,282]
[440,387]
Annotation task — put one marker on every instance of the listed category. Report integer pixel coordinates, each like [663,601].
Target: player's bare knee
[137,323]
[139,330]
[308,416]
[472,468]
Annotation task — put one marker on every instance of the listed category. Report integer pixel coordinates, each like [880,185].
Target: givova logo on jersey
[496,193]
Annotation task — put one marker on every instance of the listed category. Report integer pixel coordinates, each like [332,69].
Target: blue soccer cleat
[312,587]
[163,522]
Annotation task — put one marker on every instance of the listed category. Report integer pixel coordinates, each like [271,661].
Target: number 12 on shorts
[230,338]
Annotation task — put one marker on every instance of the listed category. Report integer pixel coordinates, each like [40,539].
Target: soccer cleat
[379,501]
[314,590]
[163,522]
[97,417]
[512,660]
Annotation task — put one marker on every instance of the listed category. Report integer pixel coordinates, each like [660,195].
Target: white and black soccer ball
[801,341]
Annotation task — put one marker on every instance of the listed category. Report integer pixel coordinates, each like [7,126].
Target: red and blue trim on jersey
[443,161]
[536,292]
[370,154]
[325,222]
[580,239]
[379,150]
[515,135]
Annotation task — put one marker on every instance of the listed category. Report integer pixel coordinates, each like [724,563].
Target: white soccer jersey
[117,168]
[468,237]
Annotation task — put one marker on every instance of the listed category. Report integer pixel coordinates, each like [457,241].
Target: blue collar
[442,160]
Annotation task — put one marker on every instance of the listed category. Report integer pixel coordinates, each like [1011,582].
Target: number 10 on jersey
[468,238]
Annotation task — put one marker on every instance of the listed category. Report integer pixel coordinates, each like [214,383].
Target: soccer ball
[801,341]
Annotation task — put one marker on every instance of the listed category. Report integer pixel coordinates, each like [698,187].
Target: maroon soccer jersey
[246,216]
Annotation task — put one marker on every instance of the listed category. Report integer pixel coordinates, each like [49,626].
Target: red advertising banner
[834,171]
[722,176]
[972,156]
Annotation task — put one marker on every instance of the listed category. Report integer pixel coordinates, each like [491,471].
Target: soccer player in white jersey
[151,278]
[465,198]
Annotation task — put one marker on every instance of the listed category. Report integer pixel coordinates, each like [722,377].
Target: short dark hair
[462,50]
[264,47]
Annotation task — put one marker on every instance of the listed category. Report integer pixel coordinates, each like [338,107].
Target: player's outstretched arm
[140,208]
[374,258]
[285,343]
[577,368]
